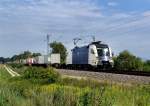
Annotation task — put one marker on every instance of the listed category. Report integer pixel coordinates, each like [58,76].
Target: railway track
[107,76]
[137,73]
[113,71]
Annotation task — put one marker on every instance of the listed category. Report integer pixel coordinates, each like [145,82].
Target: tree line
[127,61]
[17,58]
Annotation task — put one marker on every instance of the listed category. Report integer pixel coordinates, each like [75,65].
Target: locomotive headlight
[111,61]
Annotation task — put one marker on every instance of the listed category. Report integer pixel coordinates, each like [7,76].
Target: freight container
[30,61]
[54,59]
[69,58]
[39,60]
[48,59]
[24,61]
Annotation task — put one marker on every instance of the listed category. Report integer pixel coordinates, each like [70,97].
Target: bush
[41,74]
[147,66]
[127,61]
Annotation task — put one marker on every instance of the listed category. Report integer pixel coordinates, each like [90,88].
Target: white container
[69,58]
[48,59]
[54,59]
[39,60]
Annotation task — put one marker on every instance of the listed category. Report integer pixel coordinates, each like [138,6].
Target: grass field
[18,91]
[3,74]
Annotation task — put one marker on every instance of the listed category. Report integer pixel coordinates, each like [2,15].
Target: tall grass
[59,95]
[70,92]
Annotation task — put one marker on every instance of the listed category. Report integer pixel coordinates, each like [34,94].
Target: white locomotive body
[95,54]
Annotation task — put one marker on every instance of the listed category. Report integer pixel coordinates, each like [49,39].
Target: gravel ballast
[102,76]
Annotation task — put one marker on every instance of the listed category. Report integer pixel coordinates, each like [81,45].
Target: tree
[147,62]
[4,60]
[58,47]
[24,55]
[36,54]
[14,58]
[127,61]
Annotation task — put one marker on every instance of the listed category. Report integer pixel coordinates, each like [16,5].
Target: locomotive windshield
[102,50]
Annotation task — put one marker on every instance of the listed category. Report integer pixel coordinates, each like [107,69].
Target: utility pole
[93,37]
[48,37]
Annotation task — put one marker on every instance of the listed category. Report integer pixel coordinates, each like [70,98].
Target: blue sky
[123,24]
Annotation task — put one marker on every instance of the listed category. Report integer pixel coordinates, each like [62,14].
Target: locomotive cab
[101,54]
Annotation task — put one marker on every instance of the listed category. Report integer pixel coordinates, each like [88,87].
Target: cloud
[25,23]
[146,13]
[112,4]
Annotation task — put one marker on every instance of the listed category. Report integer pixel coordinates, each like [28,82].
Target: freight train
[43,60]
[93,55]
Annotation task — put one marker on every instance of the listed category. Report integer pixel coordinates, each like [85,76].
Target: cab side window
[92,51]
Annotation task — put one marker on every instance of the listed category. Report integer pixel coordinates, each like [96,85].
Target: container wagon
[52,59]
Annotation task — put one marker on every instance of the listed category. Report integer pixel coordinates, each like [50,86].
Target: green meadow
[45,87]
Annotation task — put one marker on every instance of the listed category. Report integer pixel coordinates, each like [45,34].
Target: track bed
[105,76]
